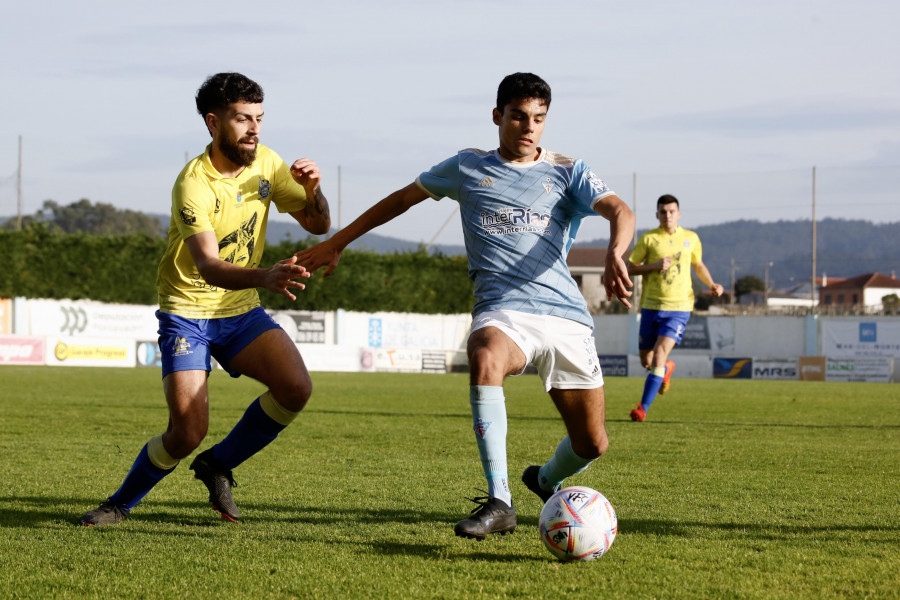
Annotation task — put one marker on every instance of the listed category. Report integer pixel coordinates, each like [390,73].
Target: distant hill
[844,248]
[278,231]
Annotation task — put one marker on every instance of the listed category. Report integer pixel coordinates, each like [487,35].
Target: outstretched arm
[316,216]
[328,253]
[278,278]
[621,228]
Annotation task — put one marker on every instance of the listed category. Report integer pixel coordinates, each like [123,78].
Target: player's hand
[717,289]
[616,280]
[320,255]
[280,277]
[306,173]
[663,264]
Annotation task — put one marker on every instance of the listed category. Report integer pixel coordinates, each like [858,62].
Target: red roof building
[863,290]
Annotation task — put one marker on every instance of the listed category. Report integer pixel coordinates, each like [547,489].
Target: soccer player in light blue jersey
[521,206]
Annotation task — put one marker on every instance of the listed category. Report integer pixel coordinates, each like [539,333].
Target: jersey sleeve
[287,194]
[192,203]
[697,253]
[587,188]
[442,180]
[639,253]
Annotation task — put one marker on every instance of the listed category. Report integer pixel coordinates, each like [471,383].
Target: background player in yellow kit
[208,303]
[664,256]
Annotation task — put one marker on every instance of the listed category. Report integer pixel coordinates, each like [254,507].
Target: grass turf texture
[730,489]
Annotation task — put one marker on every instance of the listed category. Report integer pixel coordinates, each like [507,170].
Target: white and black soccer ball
[578,524]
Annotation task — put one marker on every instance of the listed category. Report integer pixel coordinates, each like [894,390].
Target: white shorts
[563,350]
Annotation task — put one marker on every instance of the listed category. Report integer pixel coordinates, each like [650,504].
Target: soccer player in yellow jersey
[208,303]
[664,256]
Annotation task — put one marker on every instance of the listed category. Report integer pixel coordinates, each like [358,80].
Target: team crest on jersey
[181,348]
[239,197]
[481,427]
[187,216]
[548,184]
[264,187]
[218,206]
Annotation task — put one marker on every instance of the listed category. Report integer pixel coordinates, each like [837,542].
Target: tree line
[45,262]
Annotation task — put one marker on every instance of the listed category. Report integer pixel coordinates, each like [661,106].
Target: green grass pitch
[730,489]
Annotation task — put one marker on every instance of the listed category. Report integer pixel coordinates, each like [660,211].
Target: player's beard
[237,154]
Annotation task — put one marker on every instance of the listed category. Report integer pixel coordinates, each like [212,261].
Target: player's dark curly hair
[522,85]
[667,199]
[222,89]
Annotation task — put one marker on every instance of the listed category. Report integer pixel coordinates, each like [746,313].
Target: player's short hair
[522,85]
[222,89]
[667,199]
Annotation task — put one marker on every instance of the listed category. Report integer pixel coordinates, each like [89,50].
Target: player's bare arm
[328,253]
[621,226]
[644,268]
[316,216]
[278,278]
[706,277]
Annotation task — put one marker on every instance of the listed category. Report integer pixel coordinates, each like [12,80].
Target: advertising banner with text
[78,318]
[21,350]
[89,352]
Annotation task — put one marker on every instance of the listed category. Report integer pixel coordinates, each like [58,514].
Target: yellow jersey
[671,289]
[236,209]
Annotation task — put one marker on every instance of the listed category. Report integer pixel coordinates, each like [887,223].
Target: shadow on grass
[39,512]
[184,519]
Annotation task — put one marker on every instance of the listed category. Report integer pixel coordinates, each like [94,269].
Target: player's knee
[179,443]
[294,395]
[485,364]
[593,446]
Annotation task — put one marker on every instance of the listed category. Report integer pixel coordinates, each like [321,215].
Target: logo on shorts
[481,427]
[187,216]
[593,362]
[181,348]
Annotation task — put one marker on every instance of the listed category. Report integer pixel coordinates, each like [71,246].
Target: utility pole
[638,279]
[19,187]
[339,198]
[812,290]
[768,264]
[732,282]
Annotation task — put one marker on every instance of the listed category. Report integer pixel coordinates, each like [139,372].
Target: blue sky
[728,105]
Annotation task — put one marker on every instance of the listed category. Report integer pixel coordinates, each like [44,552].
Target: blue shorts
[666,323]
[187,344]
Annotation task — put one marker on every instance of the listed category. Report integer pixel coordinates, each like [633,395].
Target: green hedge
[122,268]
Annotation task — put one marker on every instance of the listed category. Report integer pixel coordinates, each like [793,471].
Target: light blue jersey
[519,220]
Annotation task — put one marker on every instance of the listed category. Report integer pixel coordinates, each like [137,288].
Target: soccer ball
[578,524]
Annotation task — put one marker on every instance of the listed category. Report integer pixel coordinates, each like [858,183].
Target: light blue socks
[489,422]
[564,463]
